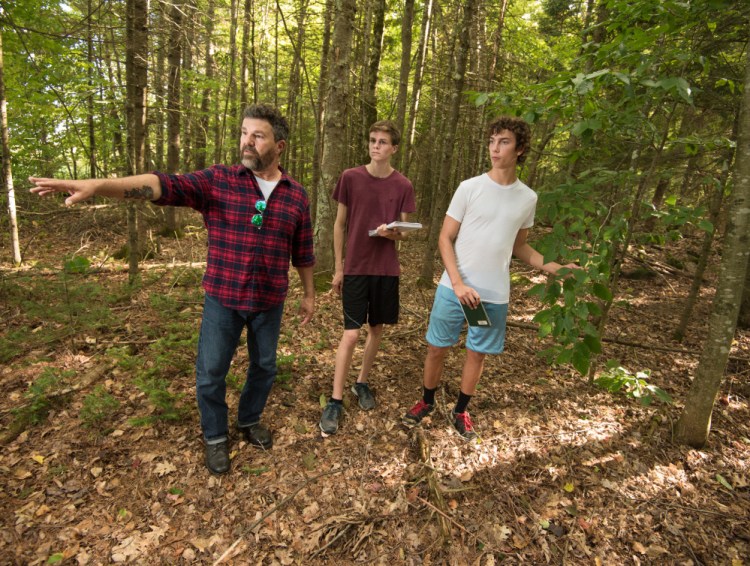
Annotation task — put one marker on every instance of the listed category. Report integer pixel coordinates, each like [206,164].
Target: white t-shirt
[266,187]
[491,216]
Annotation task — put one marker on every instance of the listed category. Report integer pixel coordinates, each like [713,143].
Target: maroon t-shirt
[372,201]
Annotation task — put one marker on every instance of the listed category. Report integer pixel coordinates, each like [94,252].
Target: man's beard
[257,161]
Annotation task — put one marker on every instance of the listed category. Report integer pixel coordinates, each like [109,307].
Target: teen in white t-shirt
[487,222]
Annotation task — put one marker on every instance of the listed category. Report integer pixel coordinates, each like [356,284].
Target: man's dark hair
[389,128]
[271,115]
[520,129]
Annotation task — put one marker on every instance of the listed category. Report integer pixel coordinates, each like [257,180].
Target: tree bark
[744,317]
[201,138]
[416,89]
[90,98]
[334,135]
[7,172]
[407,20]
[694,424]
[320,108]
[174,88]
[449,133]
[136,70]
[708,238]
[369,98]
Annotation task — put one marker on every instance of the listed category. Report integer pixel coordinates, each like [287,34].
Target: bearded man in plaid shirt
[258,219]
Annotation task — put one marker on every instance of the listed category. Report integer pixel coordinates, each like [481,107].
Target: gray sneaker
[363,393]
[329,421]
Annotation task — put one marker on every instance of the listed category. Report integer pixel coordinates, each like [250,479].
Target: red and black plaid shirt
[247,267]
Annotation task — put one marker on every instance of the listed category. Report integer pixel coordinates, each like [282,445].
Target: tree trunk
[708,239]
[744,318]
[694,424]
[247,17]
[173,107]
[334,133]
[136,71]
[320,109]
[90,98]
[369,99]
[294,91]
[416,90]
[188,124]
[201,138]
[403,77]
[230,102]
[7,172]
[449,134]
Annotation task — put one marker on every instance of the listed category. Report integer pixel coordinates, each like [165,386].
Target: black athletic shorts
[371,299]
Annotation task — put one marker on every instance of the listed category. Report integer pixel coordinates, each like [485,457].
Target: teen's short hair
[272,115]
[389,128]
[520,129]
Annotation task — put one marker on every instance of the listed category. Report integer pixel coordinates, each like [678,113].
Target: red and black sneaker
[462,423]
[415,415]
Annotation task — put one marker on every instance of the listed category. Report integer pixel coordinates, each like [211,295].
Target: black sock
[428,395]
[462,403]
[337,401]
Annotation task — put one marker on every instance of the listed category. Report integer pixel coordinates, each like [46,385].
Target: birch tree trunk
[90,98]
[694,424]
[7,172]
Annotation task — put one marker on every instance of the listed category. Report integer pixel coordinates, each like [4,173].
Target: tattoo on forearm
[145,193]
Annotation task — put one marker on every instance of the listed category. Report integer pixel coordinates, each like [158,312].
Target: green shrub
[98,407]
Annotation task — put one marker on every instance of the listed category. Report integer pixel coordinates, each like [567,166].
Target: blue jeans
[221,329]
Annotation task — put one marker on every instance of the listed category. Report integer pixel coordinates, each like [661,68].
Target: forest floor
[103,461]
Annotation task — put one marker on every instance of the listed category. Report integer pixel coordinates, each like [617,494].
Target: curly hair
[520,129]
[270,114]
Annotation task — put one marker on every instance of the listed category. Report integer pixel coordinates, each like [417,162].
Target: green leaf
[593,343]
[722,481]
[581,361]
[482,99]
[706,225]
[601,291]
[56,558]
[660,394]
[323,400]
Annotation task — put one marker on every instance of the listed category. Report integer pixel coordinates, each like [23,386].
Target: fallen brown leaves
[563,473]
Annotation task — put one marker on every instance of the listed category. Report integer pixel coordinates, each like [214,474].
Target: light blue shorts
[447,320]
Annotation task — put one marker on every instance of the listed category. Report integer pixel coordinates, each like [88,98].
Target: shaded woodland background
[637,156]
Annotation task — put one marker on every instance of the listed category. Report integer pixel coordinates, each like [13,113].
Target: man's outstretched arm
[142,187]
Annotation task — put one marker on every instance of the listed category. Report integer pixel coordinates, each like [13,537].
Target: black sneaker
[415,415]
[329,421]
[363,393]
[462,423]
[257,435]
[217,457]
